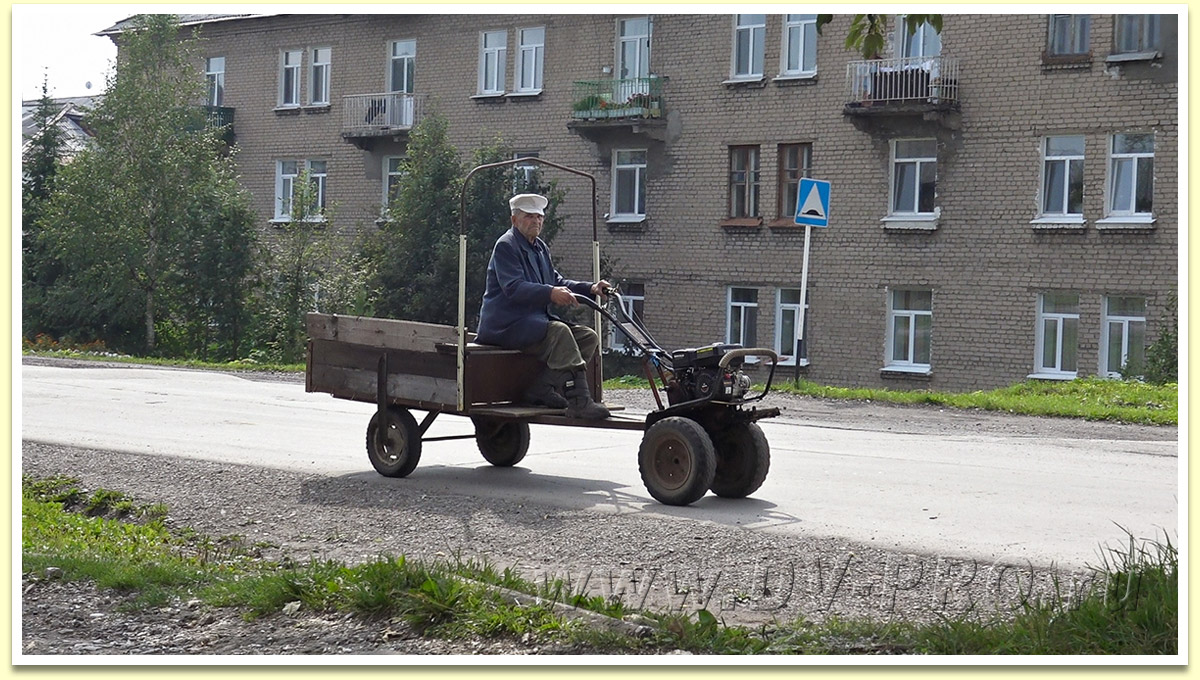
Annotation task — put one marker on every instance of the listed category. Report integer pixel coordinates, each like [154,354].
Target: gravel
[661,563]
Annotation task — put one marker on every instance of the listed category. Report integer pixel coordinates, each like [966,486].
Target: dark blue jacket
[516,301]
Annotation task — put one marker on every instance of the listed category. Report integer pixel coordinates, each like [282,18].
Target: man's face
[529,224]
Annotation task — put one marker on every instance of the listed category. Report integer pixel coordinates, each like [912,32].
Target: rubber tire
[677,461]
[743,459]
[503,443]
[403,449]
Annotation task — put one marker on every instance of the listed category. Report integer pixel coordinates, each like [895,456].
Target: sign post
[812,210]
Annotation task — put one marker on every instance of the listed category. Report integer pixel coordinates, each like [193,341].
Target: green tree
[41,156]
[867,34]
[135,217]
[1162,356]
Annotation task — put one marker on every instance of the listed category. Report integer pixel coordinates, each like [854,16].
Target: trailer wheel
[400,449]
[677,461]
[743,458]
[503,443]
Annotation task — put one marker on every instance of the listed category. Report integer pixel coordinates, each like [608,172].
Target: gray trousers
[565,348]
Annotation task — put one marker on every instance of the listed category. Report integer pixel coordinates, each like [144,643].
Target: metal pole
[462,319]
[803,300]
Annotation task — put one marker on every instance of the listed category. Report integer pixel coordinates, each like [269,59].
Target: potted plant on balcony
[590,106]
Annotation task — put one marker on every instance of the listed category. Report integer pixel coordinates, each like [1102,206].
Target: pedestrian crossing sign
[812,202]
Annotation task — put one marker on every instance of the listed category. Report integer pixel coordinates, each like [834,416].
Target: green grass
[105,538]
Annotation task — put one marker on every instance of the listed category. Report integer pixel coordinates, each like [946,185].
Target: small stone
[53,573]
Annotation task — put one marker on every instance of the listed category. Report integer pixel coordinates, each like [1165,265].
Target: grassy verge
[103,537]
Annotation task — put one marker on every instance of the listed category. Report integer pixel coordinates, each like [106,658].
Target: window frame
[284,201]
[788,357]
[786,184]
[1069,161]
[408,63]
[1135,158]
[388,174]
[290,74]
[538,51]
[492,62]
[757,37]
[919,162]
[320,76]
[1125,320]
[751,185]
[215,81]
[523,173]
[804,23]
[1149,39]
[1055,372]
[641,43]
[634,302]
[920,36]
[894,314]
[1079,30]
[747,319]
[620,168]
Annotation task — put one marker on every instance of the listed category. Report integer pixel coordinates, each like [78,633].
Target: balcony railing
[219,116]
[609,99]
[376,115]
[906,80]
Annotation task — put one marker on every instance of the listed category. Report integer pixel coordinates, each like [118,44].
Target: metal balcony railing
[626,98]
[904,80]
[219,116]
[369,115]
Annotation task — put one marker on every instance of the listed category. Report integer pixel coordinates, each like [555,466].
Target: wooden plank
[347,355]
[389,333]
[360,385]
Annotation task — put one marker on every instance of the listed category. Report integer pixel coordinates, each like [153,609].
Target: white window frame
[634,304]
[530,60]
[927,41]
[625,162]
[918,163]
[786,347]
[214,77]
[799,30]
[640,68]
[747,316]
[491,62]
[746,27]
[1068,160]
[1078,35]
[290,63]
[403,53]
[523,172]
[389,173]
[1059,321]
[285,187]
[1134,160]
[320,77]
[909,364]
[1125,321]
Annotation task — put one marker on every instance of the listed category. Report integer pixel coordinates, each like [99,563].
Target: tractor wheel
[396,450]
[743,458]
[503,443]
[677,461]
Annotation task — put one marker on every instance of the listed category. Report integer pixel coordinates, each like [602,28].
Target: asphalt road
[991,493]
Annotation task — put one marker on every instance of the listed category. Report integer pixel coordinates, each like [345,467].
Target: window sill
[1059,223]
[912,222]
[750,81]
[1054,62]
[317,108]
[287,110]
[280,221]
[1149,55]
[1126,222]
[490,96]
[804,363]
[524,94]
[625,219]
[915,372]
[795,79]
[1052,376]
[742,223]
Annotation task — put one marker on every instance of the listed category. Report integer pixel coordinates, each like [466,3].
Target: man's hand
[561,295]
[601,288]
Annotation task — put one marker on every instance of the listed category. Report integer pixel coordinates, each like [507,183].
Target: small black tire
[743,459]
[401,448]
[677,461]
[503,443]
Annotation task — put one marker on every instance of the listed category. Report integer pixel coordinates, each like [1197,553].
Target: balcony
[371,116]
[926,86]
[631,104]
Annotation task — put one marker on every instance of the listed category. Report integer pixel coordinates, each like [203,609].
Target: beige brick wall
[985,262]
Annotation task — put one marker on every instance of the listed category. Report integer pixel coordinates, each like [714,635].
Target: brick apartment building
[1004,195]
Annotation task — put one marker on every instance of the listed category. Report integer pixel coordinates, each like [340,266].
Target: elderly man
[521,285]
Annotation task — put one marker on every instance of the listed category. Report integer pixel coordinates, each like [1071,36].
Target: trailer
[705,438]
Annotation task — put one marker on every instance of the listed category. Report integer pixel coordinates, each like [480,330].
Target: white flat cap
[530,203]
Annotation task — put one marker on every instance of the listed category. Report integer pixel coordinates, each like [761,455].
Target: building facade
[1004,198]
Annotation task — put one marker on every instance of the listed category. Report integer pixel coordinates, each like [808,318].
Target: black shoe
[544,391]
[579,398]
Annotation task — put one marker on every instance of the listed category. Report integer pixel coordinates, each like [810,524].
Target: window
[1123,342]
[910,324]
[1058,335]
[289,78]
[214,75]
[530,59]
[923,41]
[742,324]
[914,176]
[319,85]
[629,184]
[787,313]
[493,48]
[1137,33]
[743,181]
[633,300]
[795,161]
[393,175]
[799,45]
[1069,34]
[749,44]
[403,66]
[633,48]
[1062,176]
[525,174]
[287,188]
[1131,175]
